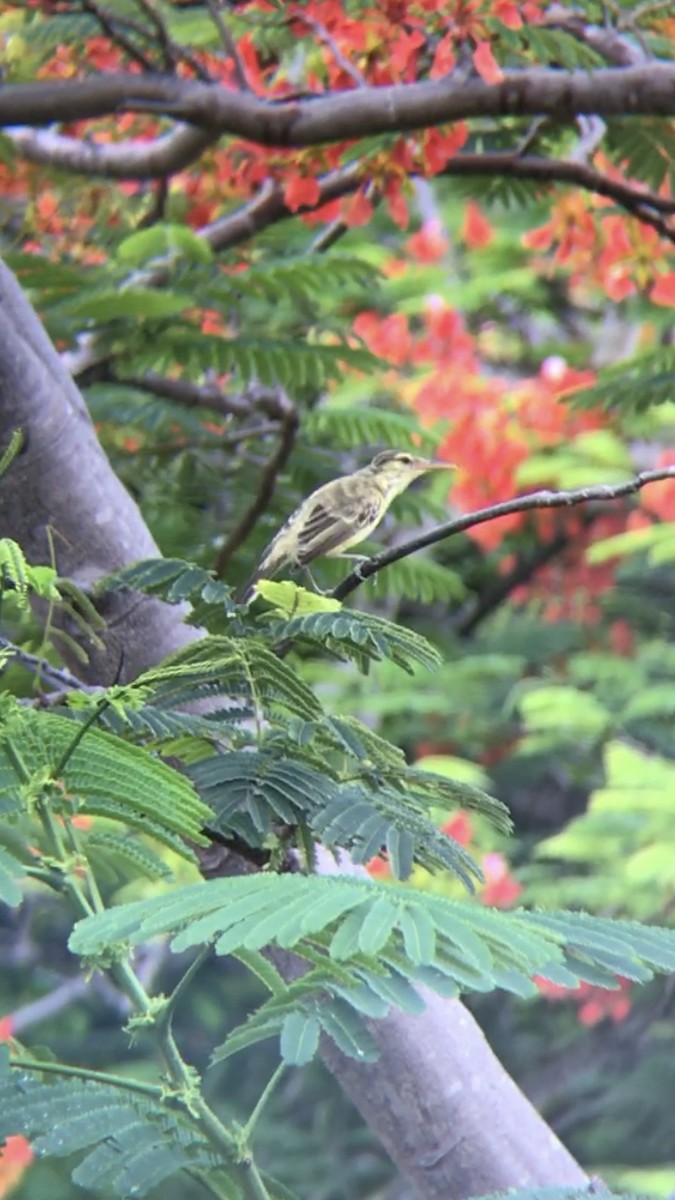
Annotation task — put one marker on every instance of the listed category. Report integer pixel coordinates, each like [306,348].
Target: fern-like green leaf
[347,426]
[648,379]
[231,666]
[557,46]
[363,636]
[118,858]
[362,937]
[302,280]
[293,364]
[102,775]
[645,148]
[11,450]
[10,871]
[264,786]
[172,579]
[14,570]
[131,1144]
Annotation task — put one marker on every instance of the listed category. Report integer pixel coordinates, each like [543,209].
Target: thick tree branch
[155,158]
[644,90]
[603,492]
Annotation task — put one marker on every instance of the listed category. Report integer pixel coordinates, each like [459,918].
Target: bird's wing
[325,532]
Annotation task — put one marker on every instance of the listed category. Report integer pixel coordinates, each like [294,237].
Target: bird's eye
[405,458]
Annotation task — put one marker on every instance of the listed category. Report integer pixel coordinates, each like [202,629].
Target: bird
[340,514]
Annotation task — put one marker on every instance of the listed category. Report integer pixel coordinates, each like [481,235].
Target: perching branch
[535,500]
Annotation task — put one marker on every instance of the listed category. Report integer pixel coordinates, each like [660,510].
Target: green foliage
[88,771]
[546,45]
[300,280]
[172,579]
[620,851]
[233,667]
[135,319]
[360,939]
[364,805]
[130,1143]
[347,426]
[11,450]
[361,636]
[646,147]
[291,363]
[16,573]
[631,387]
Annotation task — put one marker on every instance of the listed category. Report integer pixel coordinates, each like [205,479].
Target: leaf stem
[119,1081]
[262,1101]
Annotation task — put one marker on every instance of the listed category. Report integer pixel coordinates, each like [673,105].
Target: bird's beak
[434,464]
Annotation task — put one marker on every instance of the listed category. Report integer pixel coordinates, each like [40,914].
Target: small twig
[229,45]
[535,500]
[173,53]
[110,25]
[465,620]
[328,236]
[157,210]
[58,676]
[592,131]
[190,395]
[289,428]
[336,229]
[530,136]
[328,40]
[214,442]
[630,18]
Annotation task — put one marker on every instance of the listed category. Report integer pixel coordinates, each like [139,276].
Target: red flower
[301,191]
[501,889]
[429,243]
[378,867]
[486,64]
[459,828]
[476,229]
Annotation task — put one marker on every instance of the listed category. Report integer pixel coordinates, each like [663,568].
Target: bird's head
[395,470]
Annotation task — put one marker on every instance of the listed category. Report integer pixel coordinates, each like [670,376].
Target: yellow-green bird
[342,513]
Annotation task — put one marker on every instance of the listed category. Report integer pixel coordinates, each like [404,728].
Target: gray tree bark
[450,1117]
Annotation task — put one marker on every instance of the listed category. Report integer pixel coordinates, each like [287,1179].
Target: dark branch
[229,45]
[288,431]
[545,499]
[644,90]
[44,671]
[469,616]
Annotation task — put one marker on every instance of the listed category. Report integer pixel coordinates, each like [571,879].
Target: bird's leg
[312,581]
[358,560]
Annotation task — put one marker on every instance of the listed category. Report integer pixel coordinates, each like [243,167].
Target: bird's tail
[244,593]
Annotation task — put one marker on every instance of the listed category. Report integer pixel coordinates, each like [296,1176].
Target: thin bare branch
[229,45]
[112,28]
[535,500]
[329,41]
[268,479]
[173,52]
[189,394]
[44,671]
[640,202]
